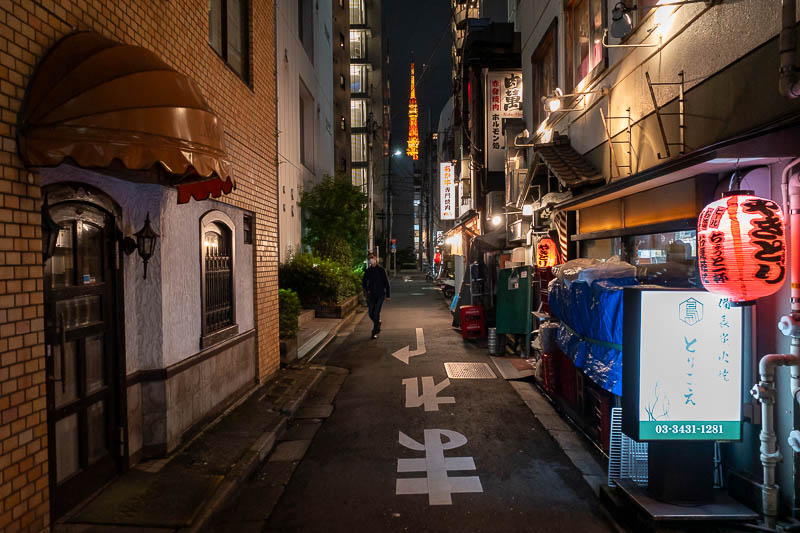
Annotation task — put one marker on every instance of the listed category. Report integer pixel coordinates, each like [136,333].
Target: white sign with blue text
[690,382]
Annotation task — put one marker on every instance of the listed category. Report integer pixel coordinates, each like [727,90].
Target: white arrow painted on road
[404,353]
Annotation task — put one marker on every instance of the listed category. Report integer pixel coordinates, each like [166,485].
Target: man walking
[376,285]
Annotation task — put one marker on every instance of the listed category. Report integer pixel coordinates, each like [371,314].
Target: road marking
[404,354]
[437,485]
[429,397]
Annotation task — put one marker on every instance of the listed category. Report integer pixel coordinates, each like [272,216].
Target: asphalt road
[348,478]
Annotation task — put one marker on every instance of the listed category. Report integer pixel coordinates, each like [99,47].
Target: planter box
[288,350]
[306,316]
[339,310]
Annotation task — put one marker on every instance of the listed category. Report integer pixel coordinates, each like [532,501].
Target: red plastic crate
[473,325]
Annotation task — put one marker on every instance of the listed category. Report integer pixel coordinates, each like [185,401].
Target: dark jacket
[376,282]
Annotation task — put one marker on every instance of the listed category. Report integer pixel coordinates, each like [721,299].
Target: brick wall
[176,30]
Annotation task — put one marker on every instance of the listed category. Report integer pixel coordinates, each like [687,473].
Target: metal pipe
[789,74]
[765,392]
[681,113]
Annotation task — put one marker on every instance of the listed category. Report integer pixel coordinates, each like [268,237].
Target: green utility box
[514,300]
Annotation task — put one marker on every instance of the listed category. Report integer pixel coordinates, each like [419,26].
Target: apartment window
[358,146]
[358,113]
[248,229]
[306,129]
[584,39]
[358,44]
[545,71]
[217,274]
[360,178]
[357,12]
[305,26]
[229,33]
[358,78]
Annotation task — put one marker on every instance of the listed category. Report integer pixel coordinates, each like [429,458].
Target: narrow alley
[490,464]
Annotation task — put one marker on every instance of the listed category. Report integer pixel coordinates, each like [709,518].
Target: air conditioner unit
[517,231]
[495,203]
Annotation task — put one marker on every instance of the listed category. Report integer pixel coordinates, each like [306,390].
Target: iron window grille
[218,298]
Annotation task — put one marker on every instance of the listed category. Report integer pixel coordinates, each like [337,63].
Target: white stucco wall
[163,313]
[293,66]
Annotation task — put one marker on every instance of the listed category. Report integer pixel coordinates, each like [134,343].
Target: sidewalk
[315,333]
[182,491]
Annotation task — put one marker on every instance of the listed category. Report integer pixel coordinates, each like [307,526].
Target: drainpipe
[789,74]
[789,325]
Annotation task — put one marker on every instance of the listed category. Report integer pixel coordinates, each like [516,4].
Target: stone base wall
[164,403]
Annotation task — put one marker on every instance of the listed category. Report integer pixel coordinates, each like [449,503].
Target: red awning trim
[201,190]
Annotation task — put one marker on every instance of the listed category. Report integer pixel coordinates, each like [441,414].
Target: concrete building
[663,109]
[341,86]
[122,143]
[369,112]
[305,108]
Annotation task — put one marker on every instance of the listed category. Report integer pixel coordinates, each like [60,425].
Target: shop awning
[560,159]
[96,103]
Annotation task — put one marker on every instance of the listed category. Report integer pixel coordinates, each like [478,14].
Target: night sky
[421,26]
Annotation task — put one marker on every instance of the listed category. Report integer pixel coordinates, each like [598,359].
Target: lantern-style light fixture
[546,253]
[50,231]
[145,243]
[741,247]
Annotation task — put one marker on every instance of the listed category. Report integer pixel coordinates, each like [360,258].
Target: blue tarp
[591,327]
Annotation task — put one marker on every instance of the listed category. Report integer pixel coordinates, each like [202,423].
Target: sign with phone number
[687,430]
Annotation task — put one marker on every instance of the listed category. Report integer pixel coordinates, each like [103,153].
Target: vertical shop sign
[503,99]
[447,192]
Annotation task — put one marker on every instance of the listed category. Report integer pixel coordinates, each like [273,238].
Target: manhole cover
[469,371]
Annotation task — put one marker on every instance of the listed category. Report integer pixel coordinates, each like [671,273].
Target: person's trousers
[374,304]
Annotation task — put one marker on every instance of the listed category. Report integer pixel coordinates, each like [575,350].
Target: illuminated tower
[413,134]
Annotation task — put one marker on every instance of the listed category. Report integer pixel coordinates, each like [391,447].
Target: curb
[253,457]
[333,332]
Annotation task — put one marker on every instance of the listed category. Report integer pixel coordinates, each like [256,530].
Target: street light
[496,220]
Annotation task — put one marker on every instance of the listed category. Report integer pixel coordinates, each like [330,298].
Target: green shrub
[288,312]
[318,281]
[334,248]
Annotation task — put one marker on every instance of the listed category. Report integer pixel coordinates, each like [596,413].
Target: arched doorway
[85,360]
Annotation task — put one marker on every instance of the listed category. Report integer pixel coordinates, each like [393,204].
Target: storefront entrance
[85,429]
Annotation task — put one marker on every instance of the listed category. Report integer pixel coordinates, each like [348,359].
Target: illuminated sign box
[682,366]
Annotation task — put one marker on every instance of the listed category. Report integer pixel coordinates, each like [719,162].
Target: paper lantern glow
[741,247]
[546,253]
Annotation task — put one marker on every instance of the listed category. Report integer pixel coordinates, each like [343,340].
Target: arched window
[217,263]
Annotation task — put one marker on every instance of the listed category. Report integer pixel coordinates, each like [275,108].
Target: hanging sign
[682,365]
[447,194]
[741,247]
[546,253]
[503,99]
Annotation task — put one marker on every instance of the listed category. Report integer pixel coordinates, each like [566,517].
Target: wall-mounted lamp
[145,243]
[50,230]
[552,103]
[496,220]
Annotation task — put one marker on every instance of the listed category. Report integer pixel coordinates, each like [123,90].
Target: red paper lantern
[546,253]
[741,247]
